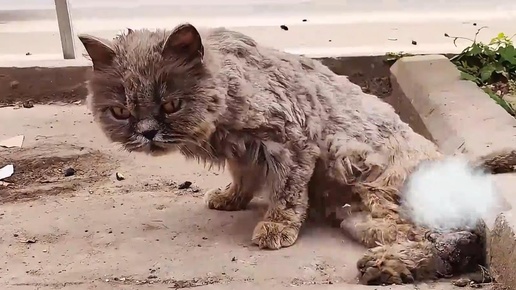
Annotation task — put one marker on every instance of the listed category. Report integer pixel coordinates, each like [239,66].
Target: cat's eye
[120,113]
[172,106]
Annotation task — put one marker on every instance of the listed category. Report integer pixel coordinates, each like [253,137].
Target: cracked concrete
[143,232]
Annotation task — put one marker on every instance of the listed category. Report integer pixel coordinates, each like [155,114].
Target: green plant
[488,64]
[392,57]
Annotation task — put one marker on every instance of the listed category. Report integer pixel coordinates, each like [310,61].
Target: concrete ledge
[44,82]
[58,80]
[461,118]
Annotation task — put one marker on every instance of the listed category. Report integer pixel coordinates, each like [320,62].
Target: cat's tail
[498,162]
[455,193]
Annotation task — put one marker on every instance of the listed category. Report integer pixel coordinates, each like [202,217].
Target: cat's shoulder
[226,37]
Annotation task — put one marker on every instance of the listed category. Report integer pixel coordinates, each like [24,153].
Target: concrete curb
[461,118]
[44,81]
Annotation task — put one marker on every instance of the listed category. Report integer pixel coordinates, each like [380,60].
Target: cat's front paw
[273,236]
[224,199]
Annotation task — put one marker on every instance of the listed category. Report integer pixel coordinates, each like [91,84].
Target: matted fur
[282,123]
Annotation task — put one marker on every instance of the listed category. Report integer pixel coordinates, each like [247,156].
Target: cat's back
[244,49]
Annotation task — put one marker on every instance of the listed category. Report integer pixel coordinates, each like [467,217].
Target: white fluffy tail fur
[449,194]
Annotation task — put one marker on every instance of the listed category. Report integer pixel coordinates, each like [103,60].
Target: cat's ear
[184,42]
[99,50]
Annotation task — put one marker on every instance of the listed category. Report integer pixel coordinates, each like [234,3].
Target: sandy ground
[92,231]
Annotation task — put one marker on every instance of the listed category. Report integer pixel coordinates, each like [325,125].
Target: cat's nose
[150,134]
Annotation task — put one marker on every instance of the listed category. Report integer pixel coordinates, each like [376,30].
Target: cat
[282,124]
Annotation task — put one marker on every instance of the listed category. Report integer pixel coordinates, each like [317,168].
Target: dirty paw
[378,269]
[271,235]
[224,199]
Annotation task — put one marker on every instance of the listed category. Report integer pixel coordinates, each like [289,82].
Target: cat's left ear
[184,42]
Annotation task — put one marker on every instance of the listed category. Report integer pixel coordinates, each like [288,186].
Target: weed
[392,57]
[491,66]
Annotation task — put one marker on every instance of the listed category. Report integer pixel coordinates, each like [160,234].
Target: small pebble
[119,176]
[14,84]
[69,172]
[304,20]
[461,282]
[284,27]
[152,277]
[185,185]
[233,259]
[28,104]
[414,42]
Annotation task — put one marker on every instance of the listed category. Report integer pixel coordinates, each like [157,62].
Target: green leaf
[475,49]
[508,53]
[486,72]
[468,77]
[507,107]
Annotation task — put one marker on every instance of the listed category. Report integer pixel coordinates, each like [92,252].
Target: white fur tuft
[448,194]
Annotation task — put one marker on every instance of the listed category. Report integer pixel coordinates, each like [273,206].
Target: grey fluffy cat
[282,124]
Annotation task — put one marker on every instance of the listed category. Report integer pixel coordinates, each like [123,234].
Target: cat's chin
[153,150]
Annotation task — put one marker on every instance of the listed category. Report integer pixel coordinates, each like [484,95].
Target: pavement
[94,231]
[318,28]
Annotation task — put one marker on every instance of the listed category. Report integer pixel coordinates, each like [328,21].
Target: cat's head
[150,90]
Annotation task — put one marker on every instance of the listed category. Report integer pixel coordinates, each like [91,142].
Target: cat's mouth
[156,149]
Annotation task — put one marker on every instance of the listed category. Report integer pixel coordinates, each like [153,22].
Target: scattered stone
[414,42]
[185,185]
[119,176]
[233,259]
[284,27]
[28,104]
[152,277]
[69,172]
[14,84]
[31,241]
[474,24]
[28,53]
[304,20]
[461,282]
[481,277]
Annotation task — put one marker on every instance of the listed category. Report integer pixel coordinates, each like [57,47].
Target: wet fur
[283,124]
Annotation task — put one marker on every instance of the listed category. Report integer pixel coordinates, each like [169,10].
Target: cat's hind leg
[247,180]
[398,251]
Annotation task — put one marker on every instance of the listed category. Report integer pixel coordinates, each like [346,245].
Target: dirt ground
[68,222]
